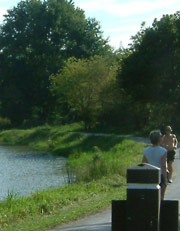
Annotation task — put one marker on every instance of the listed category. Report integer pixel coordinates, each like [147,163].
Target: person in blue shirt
[157,156]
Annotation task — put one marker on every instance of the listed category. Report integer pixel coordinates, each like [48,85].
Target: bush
[4,123]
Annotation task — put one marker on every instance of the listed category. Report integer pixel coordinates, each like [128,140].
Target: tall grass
[104,159]
[52,202]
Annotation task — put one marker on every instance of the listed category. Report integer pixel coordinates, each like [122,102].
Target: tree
[150,74]
[36,38]
[81,84]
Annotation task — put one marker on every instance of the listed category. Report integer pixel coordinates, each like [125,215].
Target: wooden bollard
[143,210]
[143,198]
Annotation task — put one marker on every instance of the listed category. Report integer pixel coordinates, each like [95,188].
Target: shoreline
[99,162]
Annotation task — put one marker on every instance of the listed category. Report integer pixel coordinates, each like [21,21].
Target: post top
[144,166]
[143,173]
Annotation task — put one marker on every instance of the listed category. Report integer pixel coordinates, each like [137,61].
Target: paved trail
[173,190]
[102,221]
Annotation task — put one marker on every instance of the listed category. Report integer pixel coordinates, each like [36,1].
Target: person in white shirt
[157,156]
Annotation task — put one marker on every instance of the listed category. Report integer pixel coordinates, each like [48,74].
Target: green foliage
[150,74]
[85,84]
[36,38]
[4,123]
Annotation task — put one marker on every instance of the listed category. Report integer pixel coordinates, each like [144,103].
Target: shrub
[4,123]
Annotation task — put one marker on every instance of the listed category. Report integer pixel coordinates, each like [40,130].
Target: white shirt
[154,155]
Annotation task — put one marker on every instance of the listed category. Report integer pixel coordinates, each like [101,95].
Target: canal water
[23,171]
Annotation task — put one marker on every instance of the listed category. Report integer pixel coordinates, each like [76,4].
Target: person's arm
[164,167]
[144,160]
[175,142]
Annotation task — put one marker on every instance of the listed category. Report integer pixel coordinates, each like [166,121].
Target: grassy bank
[57,205]
[99,163]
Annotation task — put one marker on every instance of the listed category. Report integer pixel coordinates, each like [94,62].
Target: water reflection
[23,171]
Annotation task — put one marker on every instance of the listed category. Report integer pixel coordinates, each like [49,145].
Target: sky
[119,19]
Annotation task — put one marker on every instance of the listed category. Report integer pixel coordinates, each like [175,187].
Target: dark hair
[155,136]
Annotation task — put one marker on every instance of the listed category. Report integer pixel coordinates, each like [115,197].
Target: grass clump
[104,156]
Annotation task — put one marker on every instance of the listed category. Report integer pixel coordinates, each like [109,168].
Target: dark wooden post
[169,215]
[119,215]
[143,210]
[143,198]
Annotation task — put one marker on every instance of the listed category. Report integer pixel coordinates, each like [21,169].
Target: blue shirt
[154,155]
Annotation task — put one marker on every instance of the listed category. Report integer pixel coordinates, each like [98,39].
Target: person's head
[155,137]
[168,130]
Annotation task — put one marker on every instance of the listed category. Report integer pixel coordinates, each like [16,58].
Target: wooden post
[169,215]
[143,210]
[119,214]
[143,198]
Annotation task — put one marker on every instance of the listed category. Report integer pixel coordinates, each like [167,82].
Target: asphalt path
[173,190]
[98,222]
[102,220]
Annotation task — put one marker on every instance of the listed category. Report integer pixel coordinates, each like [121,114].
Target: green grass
[37,137]
[41,137]
[103,156]
[99,163]
[58,205]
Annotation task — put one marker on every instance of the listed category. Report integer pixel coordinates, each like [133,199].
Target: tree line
[57,67]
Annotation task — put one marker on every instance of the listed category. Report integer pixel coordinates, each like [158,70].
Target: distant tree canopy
[150,75]
[39,39]
[36,38]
